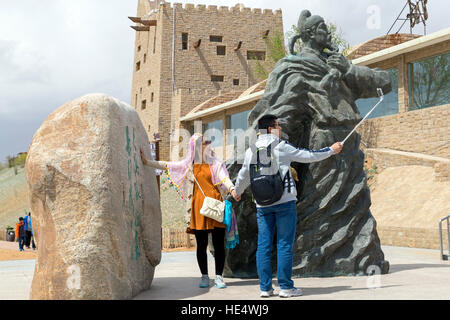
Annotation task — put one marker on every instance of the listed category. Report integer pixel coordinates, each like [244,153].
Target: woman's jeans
[283,217]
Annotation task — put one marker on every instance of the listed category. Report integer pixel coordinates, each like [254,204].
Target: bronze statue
[313,94]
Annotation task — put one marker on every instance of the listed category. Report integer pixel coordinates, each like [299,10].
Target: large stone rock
[95,207]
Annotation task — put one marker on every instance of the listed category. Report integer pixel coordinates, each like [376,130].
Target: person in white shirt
[281,214]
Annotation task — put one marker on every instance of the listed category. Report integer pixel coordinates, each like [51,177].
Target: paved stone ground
[15,279]
[414,274]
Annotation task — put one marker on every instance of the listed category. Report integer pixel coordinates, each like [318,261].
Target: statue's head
[313,29]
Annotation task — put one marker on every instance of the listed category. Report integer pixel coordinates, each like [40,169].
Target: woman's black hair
[266,121]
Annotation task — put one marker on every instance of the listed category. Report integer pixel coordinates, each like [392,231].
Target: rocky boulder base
[95,207]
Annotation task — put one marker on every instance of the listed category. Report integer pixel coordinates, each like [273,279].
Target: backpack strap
[269,154]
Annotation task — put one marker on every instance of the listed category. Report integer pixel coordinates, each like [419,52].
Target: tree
[430,82]
[275,52]
[276,49]
[20,159]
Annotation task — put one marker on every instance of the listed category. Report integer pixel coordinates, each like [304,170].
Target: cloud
[53,51]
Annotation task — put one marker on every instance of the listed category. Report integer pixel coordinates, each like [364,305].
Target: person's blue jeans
[21,242]
[283,217]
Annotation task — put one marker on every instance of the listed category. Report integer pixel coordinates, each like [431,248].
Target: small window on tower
[153,95]
[215,38]
[145,57]
[221,50]
[138,66]
[184,41]
[217,78]
[139,48]
[149,82]
[235,82]
[144,104]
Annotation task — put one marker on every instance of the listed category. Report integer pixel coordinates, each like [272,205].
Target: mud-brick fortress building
[185,55]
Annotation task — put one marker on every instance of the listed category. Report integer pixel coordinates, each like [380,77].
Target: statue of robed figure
[313,94]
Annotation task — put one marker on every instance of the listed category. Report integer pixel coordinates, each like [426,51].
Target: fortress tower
[187,54]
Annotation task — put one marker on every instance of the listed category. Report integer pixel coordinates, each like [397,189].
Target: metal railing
[444,256]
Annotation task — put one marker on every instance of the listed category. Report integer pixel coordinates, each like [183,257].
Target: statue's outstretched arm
[364,81]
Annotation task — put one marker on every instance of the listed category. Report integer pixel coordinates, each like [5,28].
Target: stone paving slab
[414,274]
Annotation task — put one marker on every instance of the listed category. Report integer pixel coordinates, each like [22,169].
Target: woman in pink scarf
[212,175]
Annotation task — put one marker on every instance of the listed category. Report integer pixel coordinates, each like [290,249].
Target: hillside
[13,198]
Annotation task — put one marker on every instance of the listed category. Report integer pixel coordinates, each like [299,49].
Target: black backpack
[266,185]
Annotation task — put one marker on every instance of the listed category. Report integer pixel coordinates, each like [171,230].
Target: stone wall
[424,131]
[412,237]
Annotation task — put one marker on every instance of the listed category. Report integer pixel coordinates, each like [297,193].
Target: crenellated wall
[189,7]
[194,66]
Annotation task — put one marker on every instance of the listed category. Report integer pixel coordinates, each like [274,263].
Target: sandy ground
[10,251]
[16,255]
[182,249]
[28,254]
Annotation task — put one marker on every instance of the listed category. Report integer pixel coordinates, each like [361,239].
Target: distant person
[20,233]
[29,232]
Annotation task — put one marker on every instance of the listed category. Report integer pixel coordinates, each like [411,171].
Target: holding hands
[235,195]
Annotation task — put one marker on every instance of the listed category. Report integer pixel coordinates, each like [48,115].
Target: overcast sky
[53,51]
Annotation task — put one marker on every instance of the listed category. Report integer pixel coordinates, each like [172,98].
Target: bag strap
[269,155]
[198,184]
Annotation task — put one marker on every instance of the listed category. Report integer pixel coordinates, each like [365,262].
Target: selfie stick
[381,95]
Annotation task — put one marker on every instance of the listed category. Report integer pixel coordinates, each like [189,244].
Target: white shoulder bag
[211,208]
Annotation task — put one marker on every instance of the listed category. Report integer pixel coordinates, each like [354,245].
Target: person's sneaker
[267,294]
[294,292]
[204,282]
[219,283]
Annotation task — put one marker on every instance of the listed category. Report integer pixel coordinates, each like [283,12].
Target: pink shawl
[178,170]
